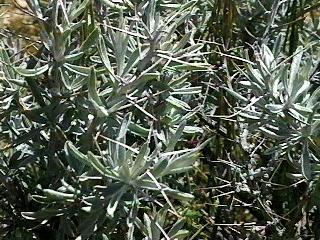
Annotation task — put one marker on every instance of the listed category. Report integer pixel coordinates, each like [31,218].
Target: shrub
[161,119]
[92,122]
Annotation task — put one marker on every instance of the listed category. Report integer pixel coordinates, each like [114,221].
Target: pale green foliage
[161,119]
[103,112]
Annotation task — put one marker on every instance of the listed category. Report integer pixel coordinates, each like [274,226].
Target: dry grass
[15,22]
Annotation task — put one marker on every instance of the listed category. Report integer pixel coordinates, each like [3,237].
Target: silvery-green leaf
[192,129]
[235,94]
[192,51]
[72,150]
[314,98]
[250,116]
[268,57]
[303,110]
[114,201]
[182,162]
[178,103]
[172,141]
[275,108]
[180,80]
[295,176]
[6,67]
[73,56]
[245,83]
[281,77]
[149,76]
[110,4]
[184,65]
[139,130]
[120,41]
[300,89]
[103,52]
[176,227]
[134,59]
[90,40]
[64,78]
[182,43]
[140,163]
[78,82]
[148,184]
[294,70]
[56,195]
[124,172]
[89,160]
[35,6]
[69,188]
[147,222]
[96,164]
[179,195]
[84,71]
[159,168]
[41,199]
[255,75]
[78,10]
[187,90]
[181,234]
[31,72]
[124,126]
[44,214]
[270,133]
[299,115]
[94,96]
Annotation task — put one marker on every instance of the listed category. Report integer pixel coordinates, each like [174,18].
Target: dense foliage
[160,119]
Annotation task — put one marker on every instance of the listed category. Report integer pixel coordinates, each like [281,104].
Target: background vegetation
[159,119]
